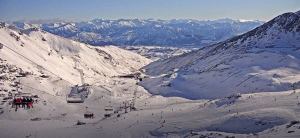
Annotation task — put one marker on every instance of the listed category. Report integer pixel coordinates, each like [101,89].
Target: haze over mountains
[147,32]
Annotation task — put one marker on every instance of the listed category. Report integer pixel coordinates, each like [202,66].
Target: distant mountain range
[147,32]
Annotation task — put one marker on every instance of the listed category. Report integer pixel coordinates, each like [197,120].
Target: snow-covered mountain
[35,50]
[148,32]
[264,59]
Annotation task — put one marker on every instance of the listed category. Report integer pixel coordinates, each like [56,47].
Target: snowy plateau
[244,86]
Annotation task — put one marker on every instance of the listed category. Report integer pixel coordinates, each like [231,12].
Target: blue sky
[14,10]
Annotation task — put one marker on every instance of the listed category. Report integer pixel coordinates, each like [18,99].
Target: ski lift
[74,98]
[88,114]
[108,110]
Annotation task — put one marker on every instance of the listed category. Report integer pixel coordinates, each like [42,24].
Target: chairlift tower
[126,104]
[125,108]
[135,91]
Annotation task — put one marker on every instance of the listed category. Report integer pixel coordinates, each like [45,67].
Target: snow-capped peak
[298,13]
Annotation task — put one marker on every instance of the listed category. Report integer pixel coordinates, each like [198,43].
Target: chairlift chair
[108,109]
[88,114]
[119,115]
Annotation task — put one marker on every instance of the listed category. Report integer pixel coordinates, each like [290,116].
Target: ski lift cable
[35,63]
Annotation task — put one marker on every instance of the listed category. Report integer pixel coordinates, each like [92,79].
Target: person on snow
[18,101]
[27,102]
[30,102]
[24,102]
[14,103]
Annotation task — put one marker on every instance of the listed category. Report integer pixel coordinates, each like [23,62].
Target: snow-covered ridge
[148,32]
[264,59]
[56,54]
